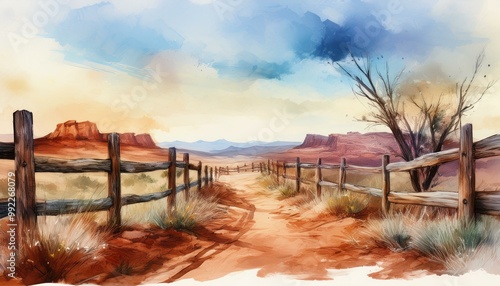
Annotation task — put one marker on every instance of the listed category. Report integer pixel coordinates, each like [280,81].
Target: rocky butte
[86,130]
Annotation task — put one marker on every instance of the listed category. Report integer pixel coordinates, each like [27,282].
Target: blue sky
[232,64]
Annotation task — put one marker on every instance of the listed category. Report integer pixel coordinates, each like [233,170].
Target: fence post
[386,185]
[297,176]
[186,175]
[206,176]
[215,169]
[268,167]
[466,176]
[284,171]
[172,173]
[114,181]
[319,178]
[211,176]
[260,167]
[199,175]
[238,169]
[277,172]
[227,170]
[342,175]
[252,167]
[25,189]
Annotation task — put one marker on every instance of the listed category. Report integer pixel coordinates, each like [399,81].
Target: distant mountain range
[228,148]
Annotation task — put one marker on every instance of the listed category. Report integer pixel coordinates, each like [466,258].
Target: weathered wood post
[277,172]
[386,185]
[186,175]
[114,181]
[238,169]
[25,188]
[260,167]
[297,175]
[206,175]
[211,176]
[252,167]
[227,170]
[284,171]
[215,169]
[319,178]
[199,175]
[268,167]
[466,176]
[342,174]
[172,173]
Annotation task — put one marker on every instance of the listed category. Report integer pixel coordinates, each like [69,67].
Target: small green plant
[392,231]
[124,268]
[187,214]
[346,204]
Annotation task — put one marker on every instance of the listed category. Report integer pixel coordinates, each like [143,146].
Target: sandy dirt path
[276,237]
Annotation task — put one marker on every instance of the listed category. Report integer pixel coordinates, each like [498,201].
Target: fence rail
[26,164]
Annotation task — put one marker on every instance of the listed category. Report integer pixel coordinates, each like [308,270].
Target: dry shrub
[187,214]
[458,245]
[62,243]
[392,231]
[346,204]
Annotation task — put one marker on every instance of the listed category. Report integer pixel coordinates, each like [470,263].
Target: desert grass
[187,213]
[61,244]
[459,246]
[286,190]
[269,182]
[343,204]
[393,231]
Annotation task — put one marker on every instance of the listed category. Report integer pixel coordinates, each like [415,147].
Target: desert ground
[254,230]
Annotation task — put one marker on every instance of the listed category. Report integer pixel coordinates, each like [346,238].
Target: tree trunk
[415,180]
[430,174]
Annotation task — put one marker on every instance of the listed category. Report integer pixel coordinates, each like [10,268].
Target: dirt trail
[276,237]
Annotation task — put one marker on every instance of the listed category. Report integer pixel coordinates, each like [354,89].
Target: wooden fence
[467,201]
[26,164]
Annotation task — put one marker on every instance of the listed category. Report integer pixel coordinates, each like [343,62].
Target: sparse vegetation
[62,244]
[268,181]
[84,182]
[187,214]
[132,179]
[392,231]
[458,246]
[286,190]
[345,204]
[449,238]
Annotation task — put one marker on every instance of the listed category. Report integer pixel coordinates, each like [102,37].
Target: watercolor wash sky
[234,69]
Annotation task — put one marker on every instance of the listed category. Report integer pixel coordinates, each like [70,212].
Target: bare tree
[432,119]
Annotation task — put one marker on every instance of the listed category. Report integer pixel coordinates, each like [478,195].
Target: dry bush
[286,190]
[346,204]
[393,231]
[268,181]
[460,246]
[61,244]
[187,214]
